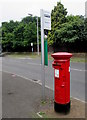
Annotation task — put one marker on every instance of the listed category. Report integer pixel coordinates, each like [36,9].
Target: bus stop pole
[42,55]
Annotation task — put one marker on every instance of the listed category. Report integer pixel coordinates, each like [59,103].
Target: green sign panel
[45,53]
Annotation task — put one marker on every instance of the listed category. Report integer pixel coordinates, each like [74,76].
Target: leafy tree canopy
[65,29]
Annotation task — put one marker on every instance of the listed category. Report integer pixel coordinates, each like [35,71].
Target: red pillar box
[61,65]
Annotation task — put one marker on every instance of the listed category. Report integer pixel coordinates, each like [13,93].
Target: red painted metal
[61,65]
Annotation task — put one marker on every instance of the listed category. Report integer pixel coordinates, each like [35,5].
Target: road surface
[31,69]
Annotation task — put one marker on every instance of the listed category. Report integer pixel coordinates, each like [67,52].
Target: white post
[37,38]
[32,47]
[42,51]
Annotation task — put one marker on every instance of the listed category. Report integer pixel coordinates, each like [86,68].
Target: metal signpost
[37,33]
[45,24]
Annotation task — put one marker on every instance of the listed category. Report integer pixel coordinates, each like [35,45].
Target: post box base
[62,108]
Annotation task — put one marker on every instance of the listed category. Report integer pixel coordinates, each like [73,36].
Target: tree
[18,37]
[0,39]
[72,30]
[67,31]
[85,29]
[30,34]
[7,34]
[27,20]
[58,17]
[8,42]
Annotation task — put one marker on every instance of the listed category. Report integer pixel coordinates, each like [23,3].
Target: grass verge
[24,55]
[77,57]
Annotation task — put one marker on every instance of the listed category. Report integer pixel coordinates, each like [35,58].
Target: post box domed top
[61,55]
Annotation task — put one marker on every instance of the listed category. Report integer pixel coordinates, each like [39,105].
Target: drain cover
[34,80]
[10,93]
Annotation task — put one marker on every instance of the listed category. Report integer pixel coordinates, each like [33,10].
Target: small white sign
[69,68]
[57,73]
[31,44]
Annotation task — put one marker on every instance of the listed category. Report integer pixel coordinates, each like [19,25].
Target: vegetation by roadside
[77,57]
[24,54]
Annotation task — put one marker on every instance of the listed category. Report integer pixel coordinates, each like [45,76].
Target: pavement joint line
[41,84]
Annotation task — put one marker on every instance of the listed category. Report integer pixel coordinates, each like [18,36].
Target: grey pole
[37,38]
[42,51]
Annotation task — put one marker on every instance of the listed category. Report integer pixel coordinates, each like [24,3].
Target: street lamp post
[37,35]
[31,16]
[37,38]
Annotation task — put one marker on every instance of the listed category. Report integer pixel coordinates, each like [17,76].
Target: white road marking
[71,96]
[33,64]
[47,66]
[78,70]
[24,58]
[79,99]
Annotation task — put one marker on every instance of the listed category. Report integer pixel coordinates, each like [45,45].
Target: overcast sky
[17,9]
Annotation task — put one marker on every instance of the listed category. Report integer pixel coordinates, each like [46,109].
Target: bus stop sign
[47,20]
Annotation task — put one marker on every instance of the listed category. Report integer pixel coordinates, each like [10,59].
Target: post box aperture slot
[56,64]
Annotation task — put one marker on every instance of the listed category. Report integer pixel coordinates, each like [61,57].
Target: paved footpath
[21,98]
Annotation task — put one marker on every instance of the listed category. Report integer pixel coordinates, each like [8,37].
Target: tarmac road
[31,69]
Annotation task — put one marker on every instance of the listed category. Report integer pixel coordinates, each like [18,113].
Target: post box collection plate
[69,68]
[57,73]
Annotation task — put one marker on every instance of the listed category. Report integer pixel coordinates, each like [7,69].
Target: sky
[18,9]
